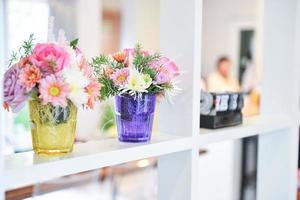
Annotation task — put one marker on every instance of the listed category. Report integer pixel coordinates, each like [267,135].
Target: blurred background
[230,62]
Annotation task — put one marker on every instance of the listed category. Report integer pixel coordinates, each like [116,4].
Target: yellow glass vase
[53,128]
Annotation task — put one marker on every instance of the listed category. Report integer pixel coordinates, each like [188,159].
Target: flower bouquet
[55,79]
[135,77]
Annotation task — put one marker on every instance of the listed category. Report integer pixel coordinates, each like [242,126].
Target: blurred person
[221,80]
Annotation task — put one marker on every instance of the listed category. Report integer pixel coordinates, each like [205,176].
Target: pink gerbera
[120,76]
[29,76]
[54,90]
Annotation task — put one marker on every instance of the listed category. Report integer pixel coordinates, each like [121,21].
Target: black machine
[221,109]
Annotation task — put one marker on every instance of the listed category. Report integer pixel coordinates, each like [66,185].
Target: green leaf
[108,88]
[23,51]
[150,72]
[108,118]
[74,43]
[13,58]
[153,89]
[26,48]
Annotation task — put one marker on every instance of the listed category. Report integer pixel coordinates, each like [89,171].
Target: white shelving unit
[177,150]
[251,126]
[27,168]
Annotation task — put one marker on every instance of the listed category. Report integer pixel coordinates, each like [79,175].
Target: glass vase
[134,117]
[53,127]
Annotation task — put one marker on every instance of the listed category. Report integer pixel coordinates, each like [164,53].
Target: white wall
[140,23]
[218,19]
[89,23]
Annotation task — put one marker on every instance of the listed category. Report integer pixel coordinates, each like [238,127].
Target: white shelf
[251,126]
[27,168]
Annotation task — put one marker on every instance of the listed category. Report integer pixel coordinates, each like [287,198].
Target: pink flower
[120,76]
[166,70]
[170,66]
[24,61]
[145,53]
[54,90]
[30,75]
[86,68]
[93,91]
[129,53]
[78,51]
[14,92]
[50,58]
[163,77]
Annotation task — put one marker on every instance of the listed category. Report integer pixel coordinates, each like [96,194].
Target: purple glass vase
[134,117]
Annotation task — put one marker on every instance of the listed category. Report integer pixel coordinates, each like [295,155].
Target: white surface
[273,176]
[26,168]
[227,152]
[115,187]
[278,151]
[216,171]
[251,126]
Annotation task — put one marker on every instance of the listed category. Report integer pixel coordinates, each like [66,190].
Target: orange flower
[23,62]
[108,71]
[29,76]
[6,105]
[119,57]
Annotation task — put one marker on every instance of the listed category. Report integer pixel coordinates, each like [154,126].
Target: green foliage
[100,60]
[142,61]
[98,63]
[151,72]
[24,50]
[34,94]
[153,89]
[74,43]
[22,118]
[13,58]
[27,46]
[167,86]
[108,118]
[102,65]
[108,88]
